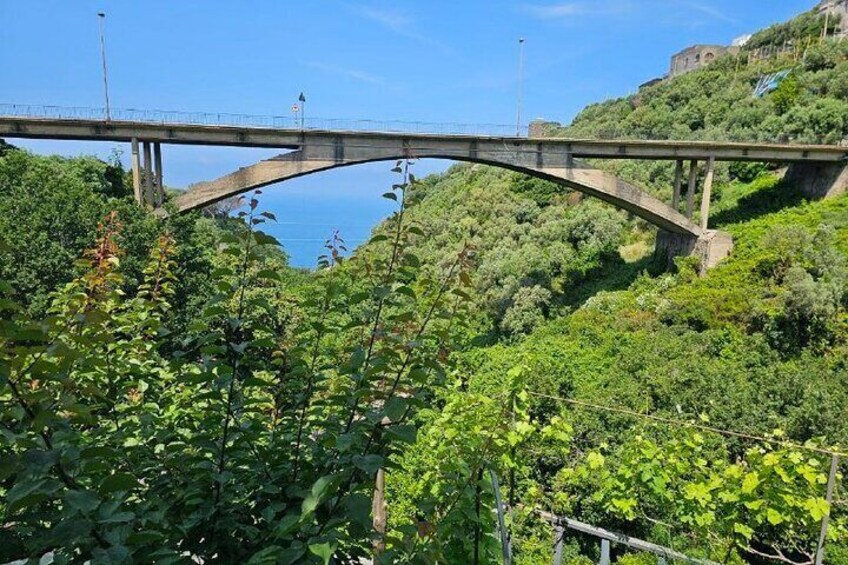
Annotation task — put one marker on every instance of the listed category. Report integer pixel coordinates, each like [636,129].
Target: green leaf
[267,555]
[395,408]
[595,460]
[774,517]
[390,196]
[263,238]
[406,291]
[85,501]
[750,482]
[268,275]
[368,463]
[406,433]
[287,524]
[320,489]
[25,493]
[324,550]
[118,482]
[743,530]
[118,518]
[345,441]
[818,508]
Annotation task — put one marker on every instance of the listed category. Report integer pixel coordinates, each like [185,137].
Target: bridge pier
[707,194]
[147,177]
[147,173]
[159,196]
[678,180]
[690,189]
[136,172]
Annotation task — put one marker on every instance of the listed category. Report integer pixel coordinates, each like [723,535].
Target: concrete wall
[818,180]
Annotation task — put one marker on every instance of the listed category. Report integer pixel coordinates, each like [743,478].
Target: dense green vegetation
[172,390]
[717,102]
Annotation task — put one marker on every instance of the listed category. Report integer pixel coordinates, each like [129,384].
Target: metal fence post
[834,463]
[506,547]
[560,541]
[605,552]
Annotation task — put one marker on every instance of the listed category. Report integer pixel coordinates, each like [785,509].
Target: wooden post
[834,463]
[157,168]
[690,191]
[605,552]
[708,189]
[148,174]
[136,172]
[378,511]
[678,179]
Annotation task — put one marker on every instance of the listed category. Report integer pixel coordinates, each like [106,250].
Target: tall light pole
[101,16]
[302,100]
[520,86]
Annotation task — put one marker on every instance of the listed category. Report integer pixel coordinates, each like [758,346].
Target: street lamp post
[102,18]
[302,100]
[520,86]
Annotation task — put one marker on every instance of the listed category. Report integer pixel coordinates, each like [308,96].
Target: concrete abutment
[818,180]
[710,248]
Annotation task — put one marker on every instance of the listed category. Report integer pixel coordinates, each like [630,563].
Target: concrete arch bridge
[560,160]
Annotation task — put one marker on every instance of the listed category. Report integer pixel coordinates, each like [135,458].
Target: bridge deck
[237,136]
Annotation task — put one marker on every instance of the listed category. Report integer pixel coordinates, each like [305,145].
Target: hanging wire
[691,425]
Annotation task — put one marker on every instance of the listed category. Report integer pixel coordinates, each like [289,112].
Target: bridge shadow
[615,274]
[782,194]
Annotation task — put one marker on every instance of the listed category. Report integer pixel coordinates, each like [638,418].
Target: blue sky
[427,60]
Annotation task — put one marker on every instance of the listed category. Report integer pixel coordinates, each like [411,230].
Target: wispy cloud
[575,9]
[353,74]
[400,23]
[392,19]
[708,10]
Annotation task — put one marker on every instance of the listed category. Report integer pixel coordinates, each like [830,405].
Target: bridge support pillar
[157,173]
[678,180]
[148,173]
[819,180]
[708,193]
[710,248]
[690,189]
[136,172]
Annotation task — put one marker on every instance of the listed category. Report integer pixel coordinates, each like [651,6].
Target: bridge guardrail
[225,119]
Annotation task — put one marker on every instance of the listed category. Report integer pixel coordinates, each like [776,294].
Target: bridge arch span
[556,166]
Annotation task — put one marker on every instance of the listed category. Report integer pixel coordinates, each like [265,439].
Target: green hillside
[757,346]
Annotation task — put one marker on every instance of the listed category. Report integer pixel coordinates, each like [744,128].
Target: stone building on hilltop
[697,56]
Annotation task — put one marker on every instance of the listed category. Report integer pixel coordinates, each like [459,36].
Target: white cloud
[707,9]
[575,9]
[394,20]
[353,74]
[399,23]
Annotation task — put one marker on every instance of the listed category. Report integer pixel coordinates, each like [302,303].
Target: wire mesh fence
[224,119]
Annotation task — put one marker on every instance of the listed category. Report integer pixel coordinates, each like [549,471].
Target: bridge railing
[224,119]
